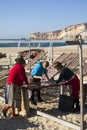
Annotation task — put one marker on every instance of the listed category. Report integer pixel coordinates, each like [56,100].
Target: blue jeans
[7,88]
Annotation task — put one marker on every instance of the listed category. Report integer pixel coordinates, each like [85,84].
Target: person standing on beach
[70,79]
[36,73]
[16,78]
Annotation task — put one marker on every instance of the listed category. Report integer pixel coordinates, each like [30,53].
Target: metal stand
[78,41]
[62,90]
[50,52]
[29,56]
[81,83]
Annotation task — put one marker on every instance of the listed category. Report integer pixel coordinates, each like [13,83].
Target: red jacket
[17,75]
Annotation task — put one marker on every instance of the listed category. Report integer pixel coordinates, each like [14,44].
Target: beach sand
[49,105]
[11,52]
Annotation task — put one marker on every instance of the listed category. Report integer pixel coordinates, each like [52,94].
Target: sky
[19,18]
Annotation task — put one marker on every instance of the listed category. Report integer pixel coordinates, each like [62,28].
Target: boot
[77,105]
[33,102]
[73,104]
[76,101]
[38,96]
[32,98]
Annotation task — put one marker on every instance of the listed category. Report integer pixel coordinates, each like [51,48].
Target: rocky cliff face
[67,33]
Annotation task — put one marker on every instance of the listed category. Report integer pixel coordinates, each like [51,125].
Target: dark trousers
[76,102]
[36,91]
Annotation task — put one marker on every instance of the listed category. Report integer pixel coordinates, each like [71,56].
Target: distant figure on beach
[2,55]
[33,55]
[36,73]
[70,79]
[16,78]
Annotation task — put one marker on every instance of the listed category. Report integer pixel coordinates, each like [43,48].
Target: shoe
[33,102]
[40,100]
[76,110]
[4,112]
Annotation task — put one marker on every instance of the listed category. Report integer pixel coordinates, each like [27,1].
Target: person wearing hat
[69,78]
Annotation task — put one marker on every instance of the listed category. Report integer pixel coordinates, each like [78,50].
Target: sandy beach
[49,105]
[12,51]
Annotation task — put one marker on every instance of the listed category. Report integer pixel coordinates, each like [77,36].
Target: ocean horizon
[32,43]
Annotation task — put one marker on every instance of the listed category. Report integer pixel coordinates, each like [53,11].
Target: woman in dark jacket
[70,79]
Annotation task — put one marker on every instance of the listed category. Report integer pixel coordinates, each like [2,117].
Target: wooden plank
[68,124]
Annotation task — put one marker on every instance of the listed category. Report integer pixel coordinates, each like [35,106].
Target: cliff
[67,33]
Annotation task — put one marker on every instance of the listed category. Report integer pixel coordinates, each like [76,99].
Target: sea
[33,43]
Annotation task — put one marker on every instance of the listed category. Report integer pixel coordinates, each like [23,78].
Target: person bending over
[37,73]
[70,79]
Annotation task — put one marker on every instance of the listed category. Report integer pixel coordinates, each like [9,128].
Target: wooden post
[24,102]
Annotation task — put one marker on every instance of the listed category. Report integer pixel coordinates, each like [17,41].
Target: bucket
[65,103]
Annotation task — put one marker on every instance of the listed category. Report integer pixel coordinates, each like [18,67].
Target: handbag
[65,103]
